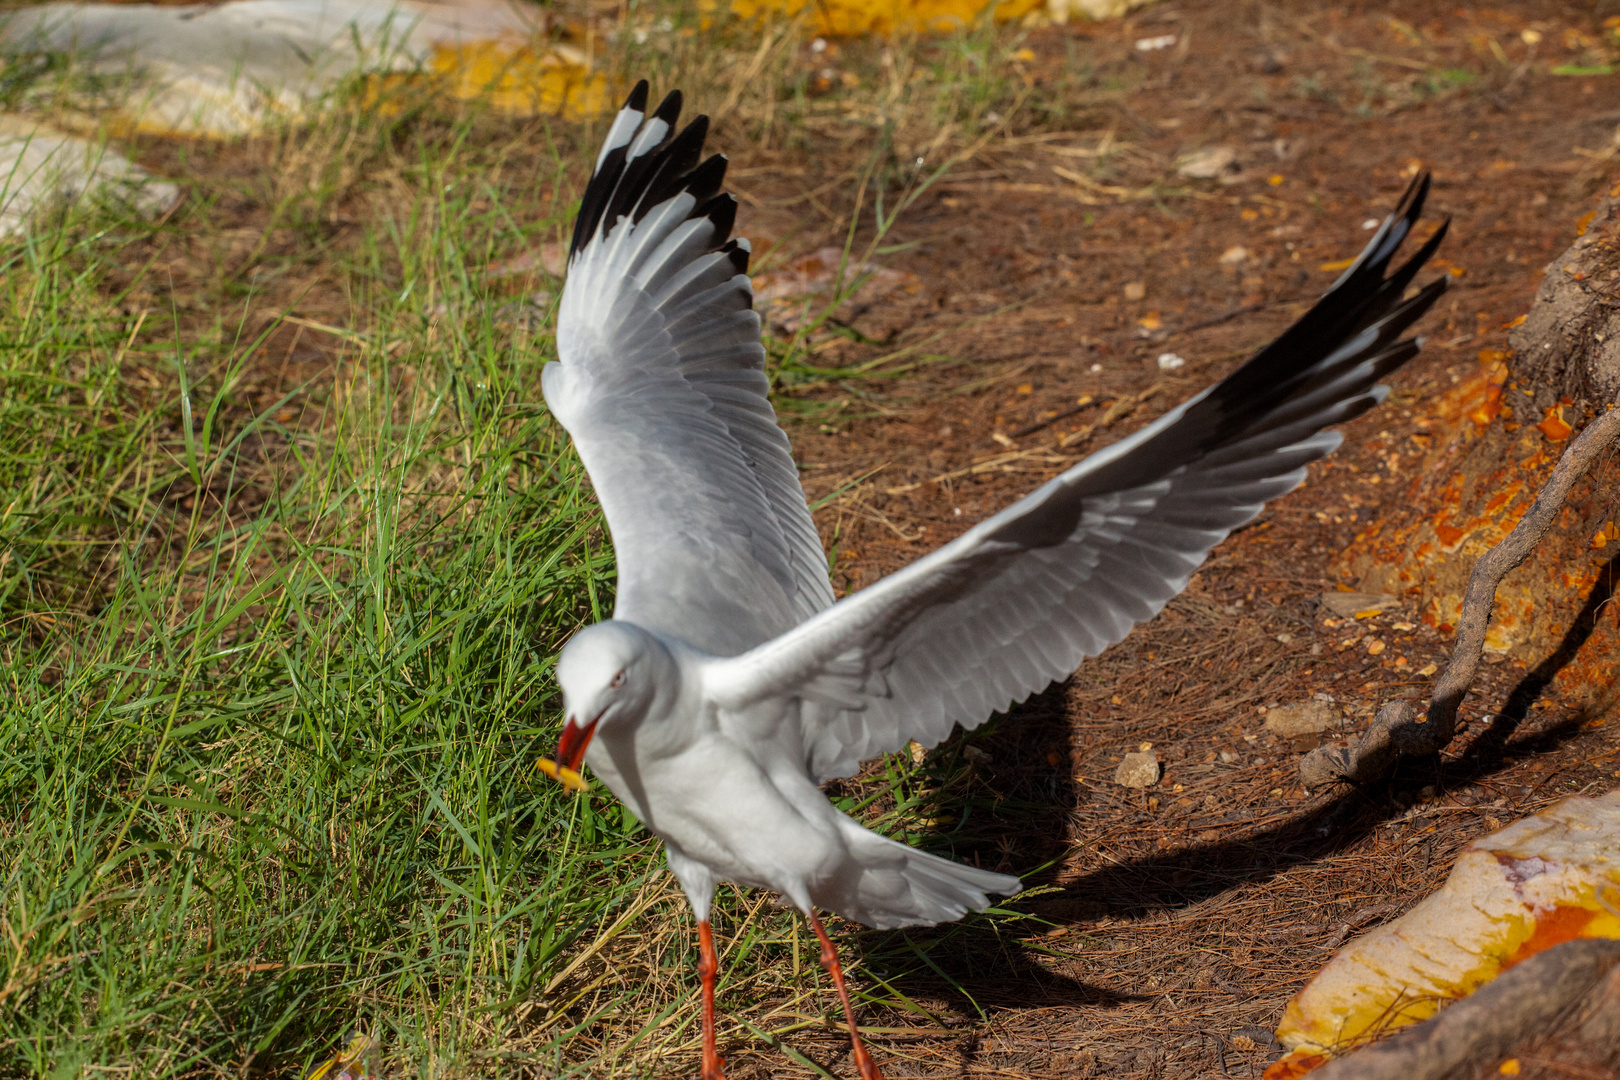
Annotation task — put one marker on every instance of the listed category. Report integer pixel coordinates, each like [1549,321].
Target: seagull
[729,684]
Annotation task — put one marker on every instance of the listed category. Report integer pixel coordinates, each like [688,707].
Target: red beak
[570,755]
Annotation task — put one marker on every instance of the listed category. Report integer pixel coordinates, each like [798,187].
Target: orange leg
[708,968]
[829,960]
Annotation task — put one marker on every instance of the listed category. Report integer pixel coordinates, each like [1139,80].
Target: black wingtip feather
[669,110]
[1294,364]
[631,188]
[722,210]
[668,173]
[738,255]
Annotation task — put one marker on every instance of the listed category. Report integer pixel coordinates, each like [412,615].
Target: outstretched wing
[661,385]
[1020,600]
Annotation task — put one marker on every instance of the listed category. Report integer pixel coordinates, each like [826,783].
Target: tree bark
[1510,425]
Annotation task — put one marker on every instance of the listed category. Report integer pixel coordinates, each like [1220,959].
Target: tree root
[1398,728]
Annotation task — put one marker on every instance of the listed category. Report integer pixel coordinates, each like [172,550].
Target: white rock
[42,170]
[1170,361]
[219,70]
[1235,254]
[1526,887]
[1139,770]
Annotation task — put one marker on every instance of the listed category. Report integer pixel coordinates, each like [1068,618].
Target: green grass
[277,661]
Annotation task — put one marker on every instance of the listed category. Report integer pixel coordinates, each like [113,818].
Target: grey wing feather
[661,384]
[1021,599]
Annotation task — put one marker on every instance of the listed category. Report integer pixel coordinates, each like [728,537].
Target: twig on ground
[1398,729]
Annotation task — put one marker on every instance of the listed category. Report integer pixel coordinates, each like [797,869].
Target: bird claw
[712,1070]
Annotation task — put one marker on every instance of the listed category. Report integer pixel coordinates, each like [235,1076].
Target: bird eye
[617,680]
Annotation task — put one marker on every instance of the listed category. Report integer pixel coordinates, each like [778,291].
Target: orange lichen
[1537,883]
[1553,424]
[1564,922]
[1449,535]
[1292,1066]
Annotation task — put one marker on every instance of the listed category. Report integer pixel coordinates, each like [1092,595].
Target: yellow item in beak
[565,776]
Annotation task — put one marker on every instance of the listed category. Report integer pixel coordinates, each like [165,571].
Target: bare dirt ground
[1183,917]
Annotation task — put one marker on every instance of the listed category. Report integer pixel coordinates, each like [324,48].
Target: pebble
[1303,718]
[1139,770]
[1207,164]
[1347,605]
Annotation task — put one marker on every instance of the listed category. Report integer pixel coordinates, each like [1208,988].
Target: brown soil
[1179,920]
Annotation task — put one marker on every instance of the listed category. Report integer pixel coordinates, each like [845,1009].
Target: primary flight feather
[728,684]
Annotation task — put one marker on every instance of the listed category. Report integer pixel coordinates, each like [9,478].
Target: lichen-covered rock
[1541,881]
[1568,343]
[1492,441]
[222,70]
[884,17]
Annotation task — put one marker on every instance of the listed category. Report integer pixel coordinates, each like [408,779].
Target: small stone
[1207,164]
[1347,605]
[1304,718]
[1170,361]
[1138,771]
[977,758]
[1235,254]
[1135,290]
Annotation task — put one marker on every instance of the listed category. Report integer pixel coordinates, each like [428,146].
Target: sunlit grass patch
[277,648]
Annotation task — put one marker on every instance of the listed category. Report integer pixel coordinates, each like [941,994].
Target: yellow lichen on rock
[851,18]
[516,79]
[1539,882]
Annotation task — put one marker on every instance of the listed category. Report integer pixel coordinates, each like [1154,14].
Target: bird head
[607,678]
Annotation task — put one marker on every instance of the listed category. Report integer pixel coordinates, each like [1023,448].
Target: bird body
[728,685]
[733,805]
